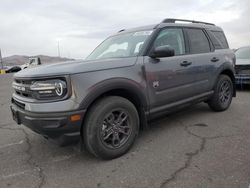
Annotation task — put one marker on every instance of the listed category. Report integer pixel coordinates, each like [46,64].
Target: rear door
[205,59]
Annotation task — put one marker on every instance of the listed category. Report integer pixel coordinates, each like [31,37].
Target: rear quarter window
[218,39]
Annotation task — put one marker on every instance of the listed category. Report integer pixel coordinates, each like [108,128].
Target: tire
[111,127]
[223,93]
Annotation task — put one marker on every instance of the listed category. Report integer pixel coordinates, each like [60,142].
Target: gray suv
[131,78]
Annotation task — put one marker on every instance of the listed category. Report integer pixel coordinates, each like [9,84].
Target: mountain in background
[21,59]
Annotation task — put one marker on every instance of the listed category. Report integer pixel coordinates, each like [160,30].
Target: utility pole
[1,59]
[58,48]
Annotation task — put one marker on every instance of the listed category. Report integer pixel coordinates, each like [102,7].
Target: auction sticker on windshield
[142,33]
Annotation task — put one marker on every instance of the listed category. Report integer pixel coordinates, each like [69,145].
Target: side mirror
[162,51]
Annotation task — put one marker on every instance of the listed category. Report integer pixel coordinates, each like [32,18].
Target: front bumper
[242,79]
[56,126]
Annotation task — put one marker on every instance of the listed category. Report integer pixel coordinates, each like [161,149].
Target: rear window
[218,39]
[243,53]
[198,41]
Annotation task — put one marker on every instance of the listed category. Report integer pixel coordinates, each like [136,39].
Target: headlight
[49,89]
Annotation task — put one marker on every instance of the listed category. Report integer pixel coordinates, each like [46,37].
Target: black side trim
[167,108]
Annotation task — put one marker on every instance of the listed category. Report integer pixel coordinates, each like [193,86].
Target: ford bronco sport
[132,77]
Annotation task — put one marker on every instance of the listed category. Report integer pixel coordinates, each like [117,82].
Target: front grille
[242,69]
[19,104]
[25,82]
[22,88]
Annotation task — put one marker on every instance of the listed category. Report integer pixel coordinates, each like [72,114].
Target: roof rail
[172,20]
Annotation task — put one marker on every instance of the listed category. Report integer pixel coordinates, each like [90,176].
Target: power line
[1,59]
[58,48]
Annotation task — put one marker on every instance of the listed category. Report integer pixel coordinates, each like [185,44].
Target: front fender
[105,86]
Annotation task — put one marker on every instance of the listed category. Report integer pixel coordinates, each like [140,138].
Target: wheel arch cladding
[230,73]
[123,88]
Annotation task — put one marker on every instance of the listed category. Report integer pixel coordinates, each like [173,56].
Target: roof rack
[172,20]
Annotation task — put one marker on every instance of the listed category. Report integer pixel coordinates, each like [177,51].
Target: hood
[74,67]
[242,61]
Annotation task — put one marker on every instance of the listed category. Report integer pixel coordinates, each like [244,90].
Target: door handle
[215,59]
[185,63]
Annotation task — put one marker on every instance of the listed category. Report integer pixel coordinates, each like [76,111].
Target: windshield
[243,53]
[122,45]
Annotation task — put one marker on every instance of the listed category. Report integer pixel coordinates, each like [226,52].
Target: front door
[171,79]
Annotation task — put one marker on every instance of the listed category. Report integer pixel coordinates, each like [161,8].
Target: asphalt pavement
[194,148]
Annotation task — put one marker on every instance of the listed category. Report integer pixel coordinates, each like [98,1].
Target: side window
[198,41]
[173,38]
[221,37]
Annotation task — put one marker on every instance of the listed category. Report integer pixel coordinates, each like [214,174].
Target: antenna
[121,30]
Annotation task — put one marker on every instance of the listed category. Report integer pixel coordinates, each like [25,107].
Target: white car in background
[33,61]
[242,67]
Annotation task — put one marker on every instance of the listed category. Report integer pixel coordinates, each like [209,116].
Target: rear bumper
[55,126]
[242,78]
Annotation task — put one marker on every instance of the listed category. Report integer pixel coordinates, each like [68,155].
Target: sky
[33,27]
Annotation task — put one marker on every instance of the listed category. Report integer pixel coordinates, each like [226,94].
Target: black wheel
[223,93]
[111,127]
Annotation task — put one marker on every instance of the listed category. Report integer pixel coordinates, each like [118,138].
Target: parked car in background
[10,69]
[13,69]
[242,67]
